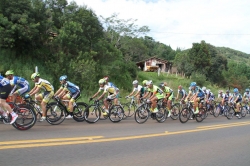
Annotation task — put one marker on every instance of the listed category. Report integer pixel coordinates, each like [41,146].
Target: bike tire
[243,111]
[161,115]
[201,115]
[217,111]
[175,111]
[78,111]
[116,113]
[141,114]
[230,113]
[92,113]
[184,115]
[26,117]
[55,113]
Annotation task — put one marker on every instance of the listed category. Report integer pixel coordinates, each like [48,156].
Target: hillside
[234,55]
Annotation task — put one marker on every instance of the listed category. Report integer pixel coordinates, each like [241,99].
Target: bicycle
[175,110]
[188,111]
[231,111]
[26,116]
[93,112]
[57,111]
[129,107]
[143,112]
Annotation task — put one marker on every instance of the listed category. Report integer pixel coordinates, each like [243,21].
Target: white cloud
[179,23]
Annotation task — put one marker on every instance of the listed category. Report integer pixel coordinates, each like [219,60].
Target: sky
[179,23]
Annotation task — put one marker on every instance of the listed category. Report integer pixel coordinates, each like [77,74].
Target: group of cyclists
[15,85]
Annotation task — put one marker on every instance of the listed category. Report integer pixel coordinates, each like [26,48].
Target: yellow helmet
[34,75]
[9,72]
[102,81]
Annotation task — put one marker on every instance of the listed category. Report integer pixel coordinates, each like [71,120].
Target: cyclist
[5,89]
[68,91]
[21,86]
[182,93]
[145,89]
[111,91]
[168,97]
[236,98]
[196,94]
[138,91]
[42,97]
[246,96]
[210,97]
[157,94]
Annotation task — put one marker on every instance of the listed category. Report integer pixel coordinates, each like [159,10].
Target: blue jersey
[71,87]
[19,81]
[198,91]
[4,81]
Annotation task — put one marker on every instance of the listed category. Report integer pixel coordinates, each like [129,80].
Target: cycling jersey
[157,90]
[239,96]
[246,95]
[168,92]
[72,88]
[200,93]
[19,81]
[182,92]
[5,87]
[45,85]
[4,81]
[138,88]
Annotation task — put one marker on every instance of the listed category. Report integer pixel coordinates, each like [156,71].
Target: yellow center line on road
[98,139]
[50,140]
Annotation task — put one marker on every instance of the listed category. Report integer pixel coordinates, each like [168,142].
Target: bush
[200,79]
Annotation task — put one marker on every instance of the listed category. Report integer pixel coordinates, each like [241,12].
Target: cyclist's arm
[62,92]
[153,95]
[95,94]
[100,97]
[34,90]
[58,91]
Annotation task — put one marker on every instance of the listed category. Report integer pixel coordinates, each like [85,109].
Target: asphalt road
[213,142]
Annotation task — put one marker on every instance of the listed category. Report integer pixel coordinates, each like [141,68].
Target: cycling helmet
[9,72]
[102,81]
[135,82]
[236,90]
[161,85]
[144,82]
[247,90]
[149,82]
[227,91]
[34,75]
[193,84]
[64,77]
[203,88]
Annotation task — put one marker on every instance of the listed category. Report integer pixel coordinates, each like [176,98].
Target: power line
[184,33]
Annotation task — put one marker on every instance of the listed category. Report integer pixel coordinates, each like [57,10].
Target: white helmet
[135,82]
[204,88]
[149,82]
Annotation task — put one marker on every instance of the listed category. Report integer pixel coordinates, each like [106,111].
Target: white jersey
[137,89]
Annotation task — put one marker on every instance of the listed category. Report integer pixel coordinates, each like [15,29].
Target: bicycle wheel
[78,111]
[55,113]
[161,115]
[175,112]
[217,111]
[92,113]
[230,113]
[141,114]
[116,113]
[225,111]
[243,111]
[26,117]
[184,115]
[129,109]
[201,115]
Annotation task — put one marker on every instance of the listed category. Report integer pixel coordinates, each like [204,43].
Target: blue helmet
[247,90]
[64,77]
[236,90]
[193,84]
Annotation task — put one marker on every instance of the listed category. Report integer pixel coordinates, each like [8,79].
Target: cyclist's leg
[45,98]
[72,100]
[20,92]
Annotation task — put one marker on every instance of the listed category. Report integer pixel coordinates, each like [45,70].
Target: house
[154,64]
